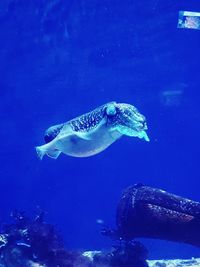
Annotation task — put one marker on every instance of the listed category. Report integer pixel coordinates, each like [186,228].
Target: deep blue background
[60,59]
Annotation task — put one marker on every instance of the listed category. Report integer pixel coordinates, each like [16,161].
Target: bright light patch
[189,20]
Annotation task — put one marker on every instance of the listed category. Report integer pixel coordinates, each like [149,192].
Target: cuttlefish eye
[111,110]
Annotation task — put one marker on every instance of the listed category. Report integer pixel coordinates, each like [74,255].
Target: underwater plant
[34,243]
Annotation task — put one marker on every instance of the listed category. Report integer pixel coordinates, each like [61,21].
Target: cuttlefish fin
[48,150]
[67,132]
[53,153]
[84,136]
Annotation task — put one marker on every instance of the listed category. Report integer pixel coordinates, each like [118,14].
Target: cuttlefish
[93,132]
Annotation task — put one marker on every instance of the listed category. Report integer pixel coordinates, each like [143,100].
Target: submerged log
[153,213]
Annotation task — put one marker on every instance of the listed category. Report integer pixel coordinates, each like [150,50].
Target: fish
[93,132]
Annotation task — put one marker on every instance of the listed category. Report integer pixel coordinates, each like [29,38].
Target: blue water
[60,59]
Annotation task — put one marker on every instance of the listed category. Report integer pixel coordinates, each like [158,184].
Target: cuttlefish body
[93,132]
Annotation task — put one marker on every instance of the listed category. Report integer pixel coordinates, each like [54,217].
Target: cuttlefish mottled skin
[93,132]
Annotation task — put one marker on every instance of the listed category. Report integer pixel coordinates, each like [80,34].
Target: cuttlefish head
[126,119]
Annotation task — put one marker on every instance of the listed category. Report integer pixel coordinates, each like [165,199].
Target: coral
[28,242]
